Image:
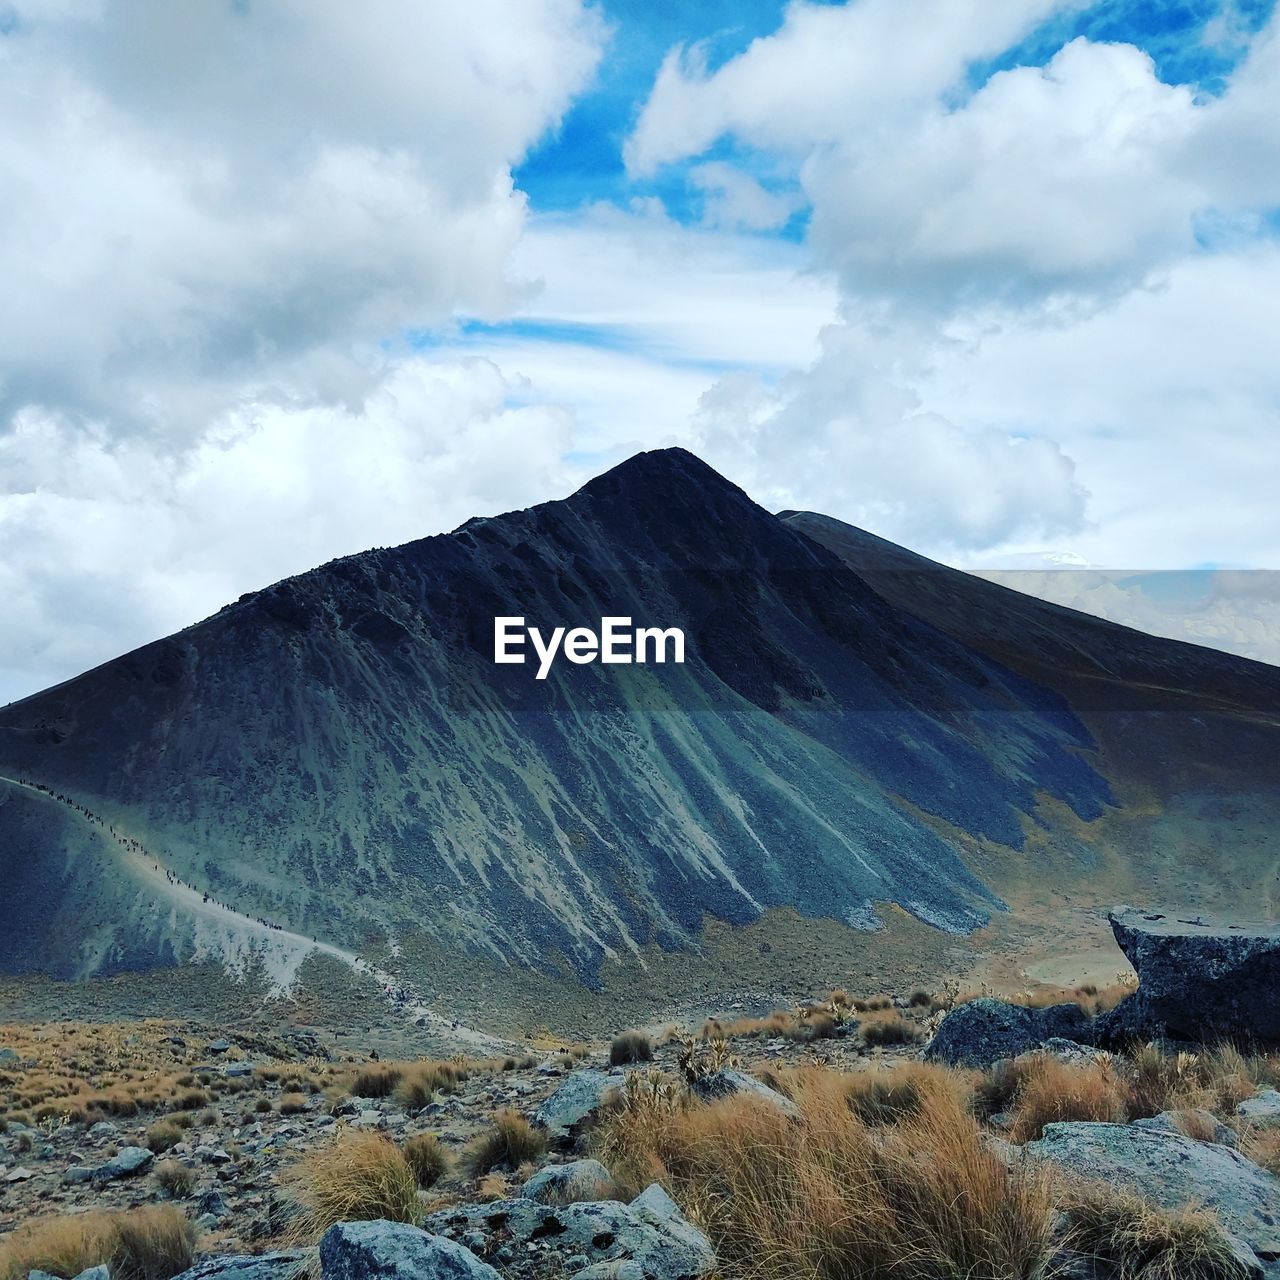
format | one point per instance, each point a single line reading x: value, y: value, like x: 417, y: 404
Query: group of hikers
x: 134, y: 846
x: 400, y: 995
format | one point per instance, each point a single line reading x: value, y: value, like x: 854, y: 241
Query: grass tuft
x: 358, y: 1177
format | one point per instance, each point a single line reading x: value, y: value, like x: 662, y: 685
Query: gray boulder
x: 651, y: 1232
x: 569, y: 1108
x: 1262, y: 1110
x: 625, y: 1270
x: 1175, y: 1122
x: 384, y: 1250
x: 564, y: 1183
x: 1170, y: 1170
x: 729, y: 1082
x: 283, y: 1264
x: 126, y: 1162
x: 1197, y: 979
x: 981, y: 1032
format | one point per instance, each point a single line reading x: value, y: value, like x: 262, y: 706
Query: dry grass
x: 356, y: 1178
x: 377, y: 1081
x: 175, y: 1179
x: 510, y: 1141
x: 419, y: 1083
x: 162, y: 1135
x: 829, y: 1197
x: 888, y: 1029
x: 427, y: 1158
x: 1051, y: 1091
x: 629, y: 1047
x: 885, y: 1097
x: 154, y: 1242
x: 1139, y: 1242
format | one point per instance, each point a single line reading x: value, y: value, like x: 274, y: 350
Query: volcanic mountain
x: 856, y: 734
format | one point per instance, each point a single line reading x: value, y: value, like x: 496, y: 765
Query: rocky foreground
x: 1089, y: 1139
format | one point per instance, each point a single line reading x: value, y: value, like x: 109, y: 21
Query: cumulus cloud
x: 199, y: 198
x: 849, y: 436
x: 106, y: 544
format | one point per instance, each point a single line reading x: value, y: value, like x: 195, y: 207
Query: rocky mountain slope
x: 852, y: 735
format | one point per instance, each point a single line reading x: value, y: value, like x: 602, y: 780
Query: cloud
x: 1237, y: 612
x: 828, y: 70
x: 849, y: 436
x: 199, y: 198
x: 106, y: 544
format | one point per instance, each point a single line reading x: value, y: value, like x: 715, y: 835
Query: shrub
x: 826, y: 1196
x: 162, y: 1135
x: 358, y: 1177
x: 376, y: 1081
x: 190, y: 1100
x: 262, y: 1106
x: 1053, y: 1090
x: 427, y: 1158
x: 153, y: 1242
x: 889, y: 1029
x: 175, y: 1179
x: 509, y: 1143
x: 629, y: 1047
x: 1139, y: 1242
x: 421, y: 1081
x: 885, y: 1097
x: 292, y: 1104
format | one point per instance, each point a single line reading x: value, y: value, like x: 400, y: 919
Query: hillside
x: 856, y: 734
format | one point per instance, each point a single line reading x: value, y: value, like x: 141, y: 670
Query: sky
x: 286, y: 279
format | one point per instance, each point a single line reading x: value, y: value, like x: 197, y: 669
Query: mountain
x: 856, y: 734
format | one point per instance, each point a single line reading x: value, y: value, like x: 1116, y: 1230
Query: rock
x: 981, y: 1032
x: 395, y: 1251
x: 626, y: 1270
x: 1170, y: 1170
x: 236, y: 1070
x: 104, y: 1129
x: 128, y: 1161
x: 576, y: 1101
x: 8, y: 1055
x: 564, y: 1183
x: 370, y: 1119
x: 100, y: 1272
x: 1197, y: 979
x: 729, y: 1082
x: 219, y: 1046
x: 1203, y: 1121
x: 1071, y: 1052
x: 283, y: 1264
x: 77, y: 1174
x: 650, y: 1232
x: 1263, y: 1109
x: 20, y: 1174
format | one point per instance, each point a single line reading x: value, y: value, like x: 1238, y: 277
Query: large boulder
x: 565, y: 1183
x: 651, y: 1232
x: 729, y: 1082
x: 980, y: 1032
x: 382, y: 1250
x: 1171, y: 1171
x: 1197, y: 979
x: 575, y: 1102
x: 1262, y: 1110
x: 283, y: 1264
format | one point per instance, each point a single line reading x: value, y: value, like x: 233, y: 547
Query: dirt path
x: 196, y: 903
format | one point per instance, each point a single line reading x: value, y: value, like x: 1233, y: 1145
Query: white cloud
x: 105, y: 544
x: 828, y: 70
x: 199, y: 198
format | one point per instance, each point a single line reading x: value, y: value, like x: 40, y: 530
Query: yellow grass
x: 154, y: 1242
x: 829, y: 1196
x: 356, y: 1178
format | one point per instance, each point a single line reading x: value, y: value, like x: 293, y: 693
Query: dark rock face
x: 1197, y: 980
x: 983, y: 1031
x: 340, y: 752
x: 1172, y: 1171
x: 395, y: 1251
